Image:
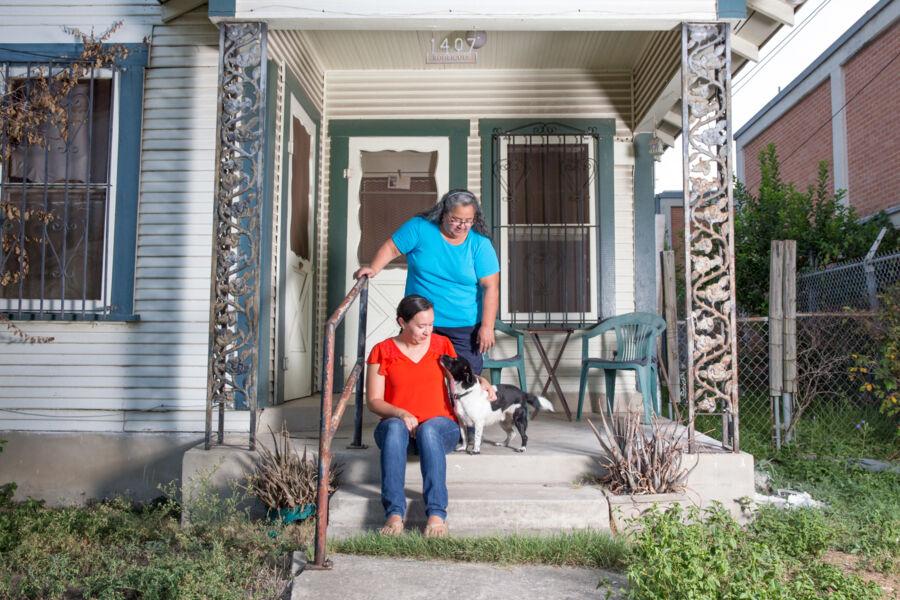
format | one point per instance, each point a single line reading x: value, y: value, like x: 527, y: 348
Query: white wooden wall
x: 151, y: 375
x: 42, y: 21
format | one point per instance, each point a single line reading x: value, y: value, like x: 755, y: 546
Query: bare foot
x: 393, y: 526
x: 436, y: 527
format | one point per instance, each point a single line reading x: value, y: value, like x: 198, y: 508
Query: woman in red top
x: 407, y: 391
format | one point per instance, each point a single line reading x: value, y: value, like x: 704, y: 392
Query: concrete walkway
x: 377, y: 578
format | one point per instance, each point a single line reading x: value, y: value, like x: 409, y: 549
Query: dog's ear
x: 468, y: 374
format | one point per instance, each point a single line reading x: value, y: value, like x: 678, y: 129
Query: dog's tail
x: 539, y: 403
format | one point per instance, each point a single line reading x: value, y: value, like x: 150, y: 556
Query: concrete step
x: 492, y: 465
x: 478, y: 509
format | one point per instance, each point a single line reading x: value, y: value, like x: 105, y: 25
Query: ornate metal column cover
x: 235, y: 286
x: 709, y: 217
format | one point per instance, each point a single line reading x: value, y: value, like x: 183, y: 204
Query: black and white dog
x: 474, y: 408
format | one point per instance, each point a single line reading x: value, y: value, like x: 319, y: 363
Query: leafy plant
x: 878, y: 373
x: 286, y: 479
x: 826, y: 230
x: 637, y: 463
x: 707, y: 555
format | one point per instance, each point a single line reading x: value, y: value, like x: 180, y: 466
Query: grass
x: 578, y: 549
x: 116, y: 550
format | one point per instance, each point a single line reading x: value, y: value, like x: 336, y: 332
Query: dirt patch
x: 849, y: 563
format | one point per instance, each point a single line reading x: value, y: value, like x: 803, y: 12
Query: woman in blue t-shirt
x: 452, y: 262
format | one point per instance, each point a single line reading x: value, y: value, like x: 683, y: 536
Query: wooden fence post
x: 789, y: 300
x: 776, y: 337
x: 670, y: 314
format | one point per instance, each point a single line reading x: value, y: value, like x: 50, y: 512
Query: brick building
x: 841, y: 109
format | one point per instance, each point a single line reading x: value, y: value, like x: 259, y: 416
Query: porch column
x: 709, y: 215
x: 234, y: 322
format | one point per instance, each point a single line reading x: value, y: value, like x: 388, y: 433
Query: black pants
x: 465, y: 342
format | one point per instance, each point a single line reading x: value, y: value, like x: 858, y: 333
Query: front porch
x: 546, y: 490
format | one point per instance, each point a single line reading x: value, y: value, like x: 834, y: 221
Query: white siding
x: 499, y: 94
x: 42, y: 21
x: 151, y: 375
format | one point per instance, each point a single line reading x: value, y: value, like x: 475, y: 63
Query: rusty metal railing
x: 331, y: 420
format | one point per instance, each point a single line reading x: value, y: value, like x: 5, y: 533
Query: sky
x: 752, y: 90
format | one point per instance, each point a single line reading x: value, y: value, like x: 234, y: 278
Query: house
x: 840, y: 109
x: 205, y: 283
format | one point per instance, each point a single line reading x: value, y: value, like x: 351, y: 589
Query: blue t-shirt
x: 446, y: 274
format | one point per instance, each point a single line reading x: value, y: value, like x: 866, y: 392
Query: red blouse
x: 417, y: 387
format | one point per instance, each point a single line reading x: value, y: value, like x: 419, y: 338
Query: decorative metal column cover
x: 709, y: 217
x: 235, y: 287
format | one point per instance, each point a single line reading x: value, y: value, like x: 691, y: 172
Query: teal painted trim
x: 337, y: 243
x: 606, y: 270
x: 731, y: 9
x: 128, y: 168
x: 340, y: 131
x: 267, y: 219
x: 222, y: 8
x: 644, y: 227
x: 45, y: 316
x: 138, y: 54
x: 604, y: 191
x: 397, y: 127
x: 292, y: 87
x: 130, y: 75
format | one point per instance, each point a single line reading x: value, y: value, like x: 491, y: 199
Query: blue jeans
x: 435, y: 438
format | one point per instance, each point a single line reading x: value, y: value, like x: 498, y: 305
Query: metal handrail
x: 331, y: 420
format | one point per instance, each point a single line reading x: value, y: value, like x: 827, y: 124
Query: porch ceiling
x: 592, y: 50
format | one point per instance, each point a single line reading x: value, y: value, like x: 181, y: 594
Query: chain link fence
x: 837, y: 319
x: 853, y: 285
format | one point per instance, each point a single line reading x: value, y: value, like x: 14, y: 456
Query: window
x: 79, y: 238
x: 548, y: 229
x: 396, y: 186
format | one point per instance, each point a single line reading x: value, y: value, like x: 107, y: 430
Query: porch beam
x: 778, y: 10
x: 234, y: 320
x: 563, y: 15
x: 673, y: 117
x: 709, y: 215
x: 745, y: 48
x: 173, y: 9
x: 668, y: 140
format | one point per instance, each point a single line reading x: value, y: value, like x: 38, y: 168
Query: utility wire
x: 849, y: 100
x: 757, y: 68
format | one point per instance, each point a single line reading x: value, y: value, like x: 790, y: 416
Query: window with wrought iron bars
x: 548, y: 228
x: 65, y: 183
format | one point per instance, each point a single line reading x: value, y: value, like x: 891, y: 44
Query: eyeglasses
x: 463, y: 222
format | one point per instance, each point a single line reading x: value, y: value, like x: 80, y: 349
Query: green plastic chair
x: 496, y: 365
x: 636, y: 335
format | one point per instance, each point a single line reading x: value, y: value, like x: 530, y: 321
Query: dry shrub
x: 286, y: 479
x: 641, y: 462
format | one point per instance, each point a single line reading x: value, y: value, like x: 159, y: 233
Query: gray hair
x: 452, y: 199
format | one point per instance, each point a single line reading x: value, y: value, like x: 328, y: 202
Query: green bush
x: 697, y: 555
x: 826, y: 230
x: 797, y: 533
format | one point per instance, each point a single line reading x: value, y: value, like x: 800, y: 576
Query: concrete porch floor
x: 498, y: 491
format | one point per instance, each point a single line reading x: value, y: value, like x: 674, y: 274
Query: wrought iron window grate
x: 546, y: 225
x: 55, y: 190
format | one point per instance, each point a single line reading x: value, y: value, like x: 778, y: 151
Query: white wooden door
x: 298, y: 238
x: 386, y: 289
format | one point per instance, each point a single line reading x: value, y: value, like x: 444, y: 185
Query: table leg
x: 551, y: 370
x: 556, y: 363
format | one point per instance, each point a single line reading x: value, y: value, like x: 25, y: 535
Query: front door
x: 298, y: 250
x: 390, y: 180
